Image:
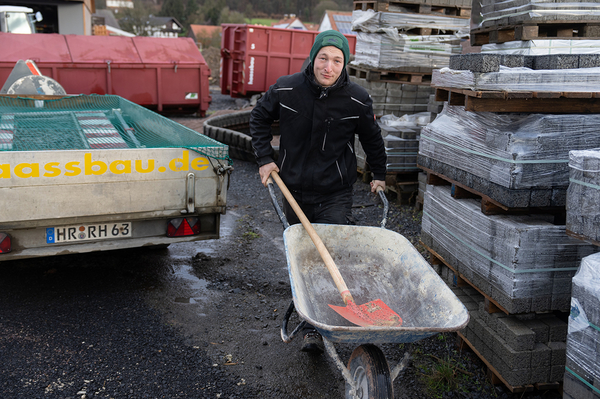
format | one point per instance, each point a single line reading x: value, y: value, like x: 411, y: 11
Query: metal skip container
x: 162, y: 74
x: 253, y: 57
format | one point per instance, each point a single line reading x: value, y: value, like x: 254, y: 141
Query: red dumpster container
x: 253, y: 57
x: 163, y: 74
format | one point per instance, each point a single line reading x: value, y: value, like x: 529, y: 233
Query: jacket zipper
x: 283, y: 160
x: 339, y: 171
x: 328, y: 120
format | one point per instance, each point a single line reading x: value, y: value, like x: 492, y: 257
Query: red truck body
x: 163, y: 74
x: 253, y: 57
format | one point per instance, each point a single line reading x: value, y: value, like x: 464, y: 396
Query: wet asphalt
x: 82, y: 327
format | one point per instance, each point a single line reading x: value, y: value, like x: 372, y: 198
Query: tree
x: 249, y: 11
x: 211, y: 9
x: 134, y: 19
x: 193, y: 13
x: 324, y: 5
x: 175, y: 9
x: 231, y: 17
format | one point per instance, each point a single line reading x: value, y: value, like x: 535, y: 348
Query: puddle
x: 182, y: 288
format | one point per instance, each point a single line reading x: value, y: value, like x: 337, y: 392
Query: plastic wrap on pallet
x: 582, y: 371
x: 583, y: 194
x: 415, y: 121
x: 543, y: 47
x: 540, y: 11
x: 522, y: 258
x: 516, y: 151
x: 520, y: 79
x: 391, y: 51
x: 371, y: 22
x: 401, y: 139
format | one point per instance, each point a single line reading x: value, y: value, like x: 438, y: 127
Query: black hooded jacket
x: 317, y: 127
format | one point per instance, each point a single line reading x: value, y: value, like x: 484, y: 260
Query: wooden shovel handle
x: 333, y: 270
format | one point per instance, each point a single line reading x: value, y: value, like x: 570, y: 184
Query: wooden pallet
x: 412, y: 7
x: 517, y: 101
x: 567, y: 30
x: 397, y: 76
x: 583, y: 238
x: 490, y: 206
x: 491, y: 305
x: 496, y: 378
x: 404, y: 185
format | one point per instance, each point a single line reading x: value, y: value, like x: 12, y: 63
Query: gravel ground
x: 196, y: 320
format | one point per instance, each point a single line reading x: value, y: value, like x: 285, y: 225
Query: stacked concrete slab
x: 582, y: 371
x: 583, y: 195
x: 390, y: 52
x: 519, y: 12
x: 383, y: 44
x: 395, y: 98
x: 519, y: 160
x: 544, y: 47
x: 525, y: 263
x: 524, y: 350
x: 401, y: 140
x: 398, y: 42
x: 510, y: 72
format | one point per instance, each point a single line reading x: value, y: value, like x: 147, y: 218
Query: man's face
x: 329, y: 63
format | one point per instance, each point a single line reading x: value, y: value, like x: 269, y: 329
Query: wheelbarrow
x: 375, y: 263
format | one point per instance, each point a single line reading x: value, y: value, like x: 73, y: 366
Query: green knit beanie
x: 330, y: 38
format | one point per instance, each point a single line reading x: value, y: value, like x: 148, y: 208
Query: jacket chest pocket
x: 338, y: 132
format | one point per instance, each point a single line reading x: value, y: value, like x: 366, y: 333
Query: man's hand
x: 377, y: 183
x: 265, y: 172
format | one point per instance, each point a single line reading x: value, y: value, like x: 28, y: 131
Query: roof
x: 289, y: 23
x: 159, y: 21
x: 340, y: 21
x: 204, y: 30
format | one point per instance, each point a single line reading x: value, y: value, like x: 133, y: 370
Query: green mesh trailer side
x: 94, y: 122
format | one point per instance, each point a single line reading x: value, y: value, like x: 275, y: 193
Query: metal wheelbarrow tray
x: 375, y: 263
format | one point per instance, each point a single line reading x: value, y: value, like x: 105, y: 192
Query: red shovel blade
x: 374, y: 313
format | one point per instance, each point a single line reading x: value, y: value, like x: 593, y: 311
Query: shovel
x: 373, y: 313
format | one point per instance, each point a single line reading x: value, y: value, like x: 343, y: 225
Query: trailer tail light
x: 5, y: 243
x: 181, y: 227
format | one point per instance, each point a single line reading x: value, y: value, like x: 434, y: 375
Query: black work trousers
x: 335, y: 208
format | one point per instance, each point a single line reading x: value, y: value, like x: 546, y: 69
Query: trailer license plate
x: 87, y: 232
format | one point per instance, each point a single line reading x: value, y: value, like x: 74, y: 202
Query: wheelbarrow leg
x: 340, y: 365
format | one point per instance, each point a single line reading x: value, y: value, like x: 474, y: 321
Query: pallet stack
x: 495, y: 205
x: 401, y: 140
x: 398, y: 46
x: 518, y: 20
x: 582, y: 371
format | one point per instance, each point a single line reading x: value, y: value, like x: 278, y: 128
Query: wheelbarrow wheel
x: 371, y: 373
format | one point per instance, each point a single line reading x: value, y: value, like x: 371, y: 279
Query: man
x: 319, y: 112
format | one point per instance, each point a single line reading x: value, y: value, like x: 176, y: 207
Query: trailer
x: 97, y: 172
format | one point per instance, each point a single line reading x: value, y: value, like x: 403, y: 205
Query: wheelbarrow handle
x: 386, y: 205
x: 278, y: 209
x: 285, y: 337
